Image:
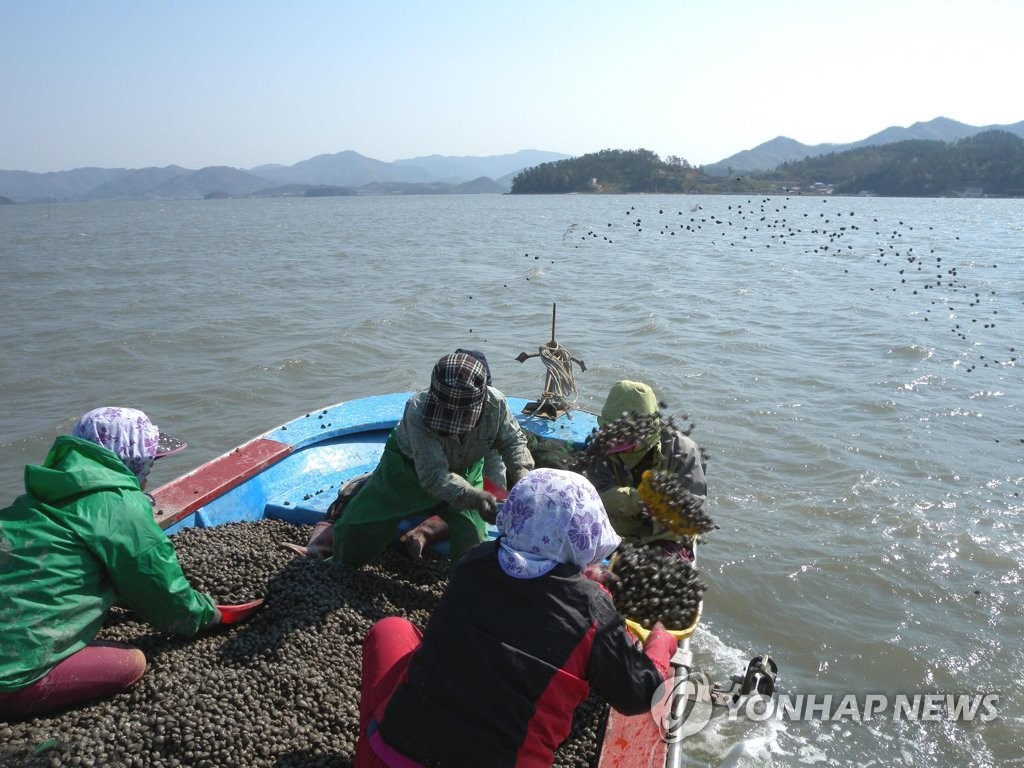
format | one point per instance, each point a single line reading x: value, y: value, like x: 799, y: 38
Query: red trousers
x: 387, y: 649
x: 98, y: 671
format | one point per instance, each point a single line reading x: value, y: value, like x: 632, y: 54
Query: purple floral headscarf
x: 126, y: 432
x: 553, y: 516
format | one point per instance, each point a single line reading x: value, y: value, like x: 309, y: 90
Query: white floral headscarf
x: 126, y: 432
x: 553, y: 516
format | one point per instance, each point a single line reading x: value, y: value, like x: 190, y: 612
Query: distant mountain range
x: 349, y: 172
x: 772, y: 154
x: 343, y: 173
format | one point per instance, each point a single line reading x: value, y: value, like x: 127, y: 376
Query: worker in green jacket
x: 662, y: 447
x: 81, y: 539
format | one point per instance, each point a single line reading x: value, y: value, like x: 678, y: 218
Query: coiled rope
x: 560, y: 383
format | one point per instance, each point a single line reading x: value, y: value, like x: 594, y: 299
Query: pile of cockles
x: 654, y: 584
x: 278, y: 691
x: 623, y: 434
x: 666, y: 499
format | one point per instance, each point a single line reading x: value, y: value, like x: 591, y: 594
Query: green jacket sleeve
x: 144, y: 567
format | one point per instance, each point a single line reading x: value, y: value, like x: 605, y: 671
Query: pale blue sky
x: 137, y: 83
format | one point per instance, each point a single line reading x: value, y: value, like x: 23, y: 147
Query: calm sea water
x: 852, y: 366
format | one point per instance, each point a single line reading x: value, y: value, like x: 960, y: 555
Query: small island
x: 988, y: 164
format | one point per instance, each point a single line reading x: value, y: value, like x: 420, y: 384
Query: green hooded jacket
x: 81, y: 539
x: 618, y: 476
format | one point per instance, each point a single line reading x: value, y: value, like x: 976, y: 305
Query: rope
x: 558, y: 364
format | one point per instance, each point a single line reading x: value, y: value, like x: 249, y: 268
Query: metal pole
x: 682, y: 661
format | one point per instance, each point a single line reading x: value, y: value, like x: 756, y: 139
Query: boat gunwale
x: 188, y: 494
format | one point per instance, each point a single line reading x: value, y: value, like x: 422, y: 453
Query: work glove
x: 233, y: 614
x: 491, y: 487
x: 515, y: 474
x: 600, y: 573
x: 483, y: 502
x: 659, y: 648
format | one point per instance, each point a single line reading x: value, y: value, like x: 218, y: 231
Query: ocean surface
x: 851, y: 365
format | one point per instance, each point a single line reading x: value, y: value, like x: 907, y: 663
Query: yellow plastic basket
x: 678, y: 634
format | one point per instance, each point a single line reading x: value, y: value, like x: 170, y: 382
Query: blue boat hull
x: 294, y: 472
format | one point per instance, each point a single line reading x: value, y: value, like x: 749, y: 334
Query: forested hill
x: 610, y: 170
x: 990, y: 163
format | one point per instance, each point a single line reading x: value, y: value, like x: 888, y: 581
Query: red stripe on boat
x: 188, y: 493
x: 633, y: 741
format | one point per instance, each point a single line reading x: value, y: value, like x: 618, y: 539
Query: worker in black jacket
x: 520, y: 637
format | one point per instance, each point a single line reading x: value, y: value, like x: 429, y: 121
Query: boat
x: 295, y: 471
